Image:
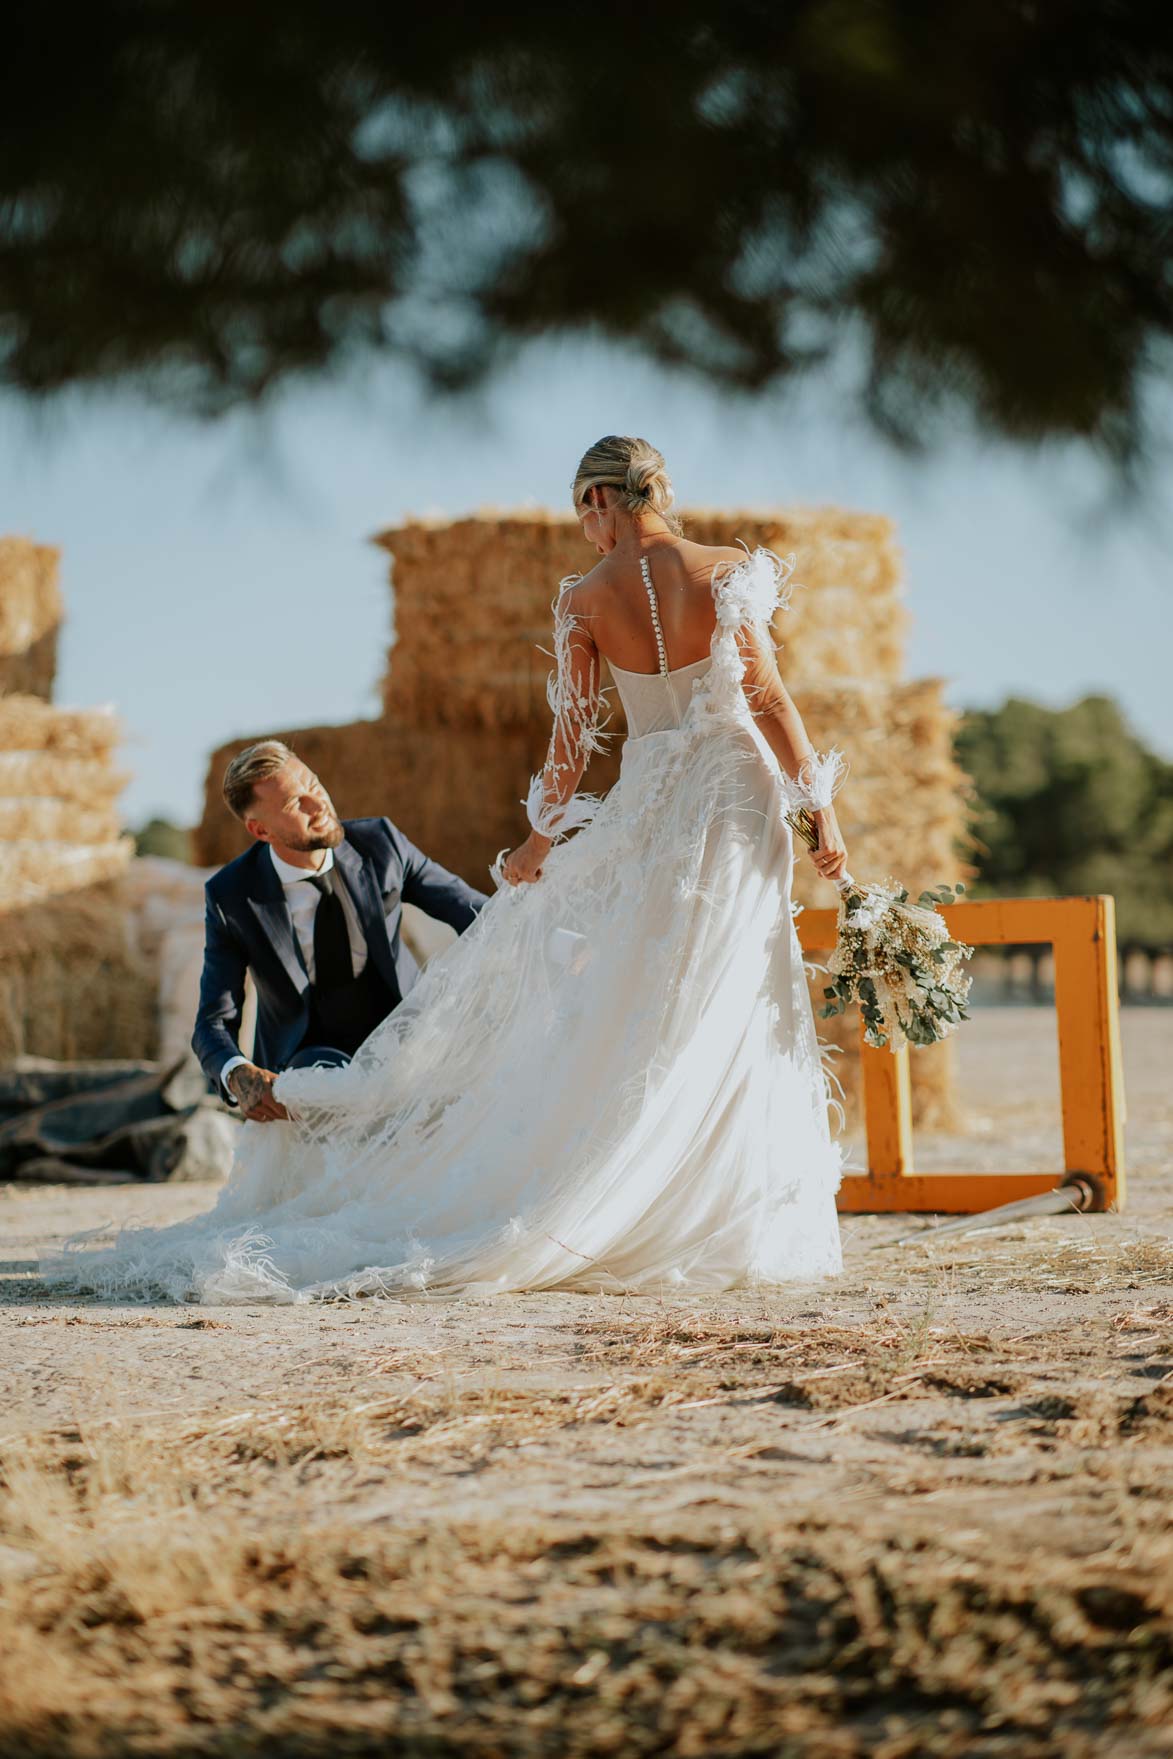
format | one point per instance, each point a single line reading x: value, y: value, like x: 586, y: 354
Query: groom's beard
x: 325, y: 839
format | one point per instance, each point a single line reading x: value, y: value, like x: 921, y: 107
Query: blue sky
x: 218, y: 579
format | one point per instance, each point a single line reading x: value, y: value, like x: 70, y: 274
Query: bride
x: 611, y: 1081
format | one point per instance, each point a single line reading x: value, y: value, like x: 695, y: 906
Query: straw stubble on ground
x: 922, y: 1509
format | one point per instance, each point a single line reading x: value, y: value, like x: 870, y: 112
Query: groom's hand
x: 252, y: 1088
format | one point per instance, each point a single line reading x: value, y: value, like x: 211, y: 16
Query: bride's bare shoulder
x: 580, y: 594
x: 713, y: 555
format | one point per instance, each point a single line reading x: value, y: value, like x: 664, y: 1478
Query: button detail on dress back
x: 646, y: 571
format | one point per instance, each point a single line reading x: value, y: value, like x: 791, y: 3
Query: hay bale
x: 472, y: 610
x: 472, y: 606
x: 72, y: 983
x: 59, y: 821
x: 57, y: 786
x: 49, y: 775
x: 29, y: 724
x: 31, y: 872
x: 847, y: 619
x: 30, y: 616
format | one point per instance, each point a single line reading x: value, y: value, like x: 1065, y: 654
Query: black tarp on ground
x: 104, y: 1120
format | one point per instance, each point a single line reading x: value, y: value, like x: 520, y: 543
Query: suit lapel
x: 272, y: 912
x: 359, y: 878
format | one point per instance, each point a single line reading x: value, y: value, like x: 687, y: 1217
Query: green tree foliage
x: 211, y: 198
x: 1070, y: 801
x: 160, y: 837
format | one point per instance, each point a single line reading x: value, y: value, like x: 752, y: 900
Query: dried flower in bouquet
x: 894, y: 959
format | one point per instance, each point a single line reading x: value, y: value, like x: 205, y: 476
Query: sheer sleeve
x: 747, y: 595
x: 575, y: 698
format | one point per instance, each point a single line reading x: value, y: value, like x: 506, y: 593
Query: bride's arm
x: 775, y: 712
x: 574, y: 698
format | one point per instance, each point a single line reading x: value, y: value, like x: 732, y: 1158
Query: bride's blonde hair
x: 632, y: 467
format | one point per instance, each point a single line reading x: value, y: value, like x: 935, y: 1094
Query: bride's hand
x: 831, y: 855
x: 524, y: 866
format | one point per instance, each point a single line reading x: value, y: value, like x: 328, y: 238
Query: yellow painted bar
x: 939, y: 1193
x: 1090, y: 1079
x: 984, y: 922
x: 818, y: 929
x: 1082, y: 932
x: 993, y: 922
x: 887, y: 1110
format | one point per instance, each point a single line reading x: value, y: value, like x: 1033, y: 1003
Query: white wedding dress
x: 611, y: 1081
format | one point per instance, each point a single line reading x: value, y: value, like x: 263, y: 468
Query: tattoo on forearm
x: 249, y: 1086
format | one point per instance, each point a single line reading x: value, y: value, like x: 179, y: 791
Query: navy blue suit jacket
x: 248, y: 928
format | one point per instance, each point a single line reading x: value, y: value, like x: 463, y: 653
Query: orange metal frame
x: 1082, y: 932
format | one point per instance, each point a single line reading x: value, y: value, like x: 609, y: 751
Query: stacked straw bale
x: 30, y: 617
x: 472, y: 607
x: 466, y: 718
x: 73, y: 982
x: 58, y: 789
x: 472, y: 617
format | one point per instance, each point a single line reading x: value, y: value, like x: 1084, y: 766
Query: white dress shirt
x: 302, y: 900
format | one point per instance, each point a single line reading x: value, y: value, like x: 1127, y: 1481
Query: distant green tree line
x: 1071, y: 801
x: 160, y: 837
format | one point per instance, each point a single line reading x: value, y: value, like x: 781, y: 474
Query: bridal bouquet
x: 895, y: 959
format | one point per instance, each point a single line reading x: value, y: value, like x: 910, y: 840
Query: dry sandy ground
x: 921, y: 1509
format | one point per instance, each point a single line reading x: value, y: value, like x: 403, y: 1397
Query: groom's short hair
x: 256, y: 763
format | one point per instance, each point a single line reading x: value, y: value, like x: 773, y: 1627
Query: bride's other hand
x: 524, y: 866
x: 831, y: 855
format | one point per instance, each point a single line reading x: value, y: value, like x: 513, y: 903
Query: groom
x: 313, y: 910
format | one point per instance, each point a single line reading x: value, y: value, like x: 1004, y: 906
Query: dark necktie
x: 332, y: 962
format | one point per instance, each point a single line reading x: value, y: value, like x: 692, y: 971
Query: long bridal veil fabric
x: 611, y: 1081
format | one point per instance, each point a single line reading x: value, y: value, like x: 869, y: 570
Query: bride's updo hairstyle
x: 632, y: 467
